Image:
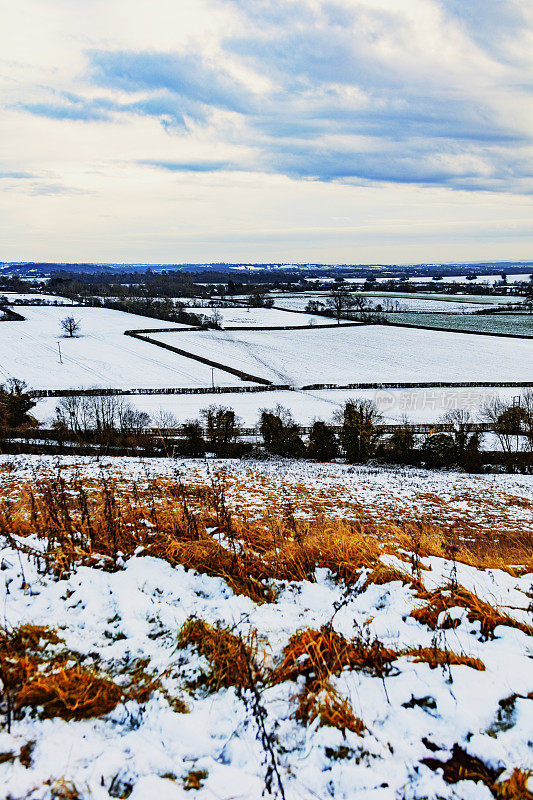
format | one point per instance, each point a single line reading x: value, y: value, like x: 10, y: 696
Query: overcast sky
x: 372, y: 131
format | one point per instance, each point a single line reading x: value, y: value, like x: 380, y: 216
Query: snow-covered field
x: 13, y: 297
x: 490, y: 280
x: 100, y: 356
x: 127, y: 622
x: 417, y: 405
x: 441, y: 303
x: 362, y: 354
x: 259, y: 317
x: 421, y: 305
x: 299, y: 302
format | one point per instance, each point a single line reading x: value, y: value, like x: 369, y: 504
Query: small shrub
x: 439, y: 451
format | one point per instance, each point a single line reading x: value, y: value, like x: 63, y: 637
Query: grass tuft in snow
x: 231, y: 657
x: 440, y: 601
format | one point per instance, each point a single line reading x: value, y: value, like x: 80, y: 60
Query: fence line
x: 304, y: 430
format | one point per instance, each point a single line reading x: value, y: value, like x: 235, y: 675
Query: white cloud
x: 309, y: 113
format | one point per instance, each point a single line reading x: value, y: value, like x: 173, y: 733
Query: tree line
x: 355, y: 435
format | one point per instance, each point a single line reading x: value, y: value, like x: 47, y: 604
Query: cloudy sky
x: 266, y: 130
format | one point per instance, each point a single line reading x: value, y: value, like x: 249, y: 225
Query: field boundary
x: 177, y: 390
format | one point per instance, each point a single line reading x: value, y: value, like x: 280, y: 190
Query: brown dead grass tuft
x: 64, y: 790
x: 445, y: 598
x: 319, y: 654
x: 195, y: 779
x: 515, y: 787
x: 383, y: 573
x: 323, y: 702
x: 232, y: 659
x: 461, y: 766
x: 442, y: 658
x: 74, y: 693
x: 33, y: 676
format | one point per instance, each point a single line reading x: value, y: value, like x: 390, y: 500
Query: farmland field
x: 516, y: 324
x: 417, y: 405
x: 260, y: 317
x: 372, y: 353
x: 100, y: 356
x: 26, y: 297
x: 438, y: 302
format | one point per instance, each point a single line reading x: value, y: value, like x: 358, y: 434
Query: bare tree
x: 339, y: 300
x: 509, y: 422
x: 70, y: 326
x: 164, y: 420
x: 361, y: 302
x: 101, y: 413
x: 216, y: 318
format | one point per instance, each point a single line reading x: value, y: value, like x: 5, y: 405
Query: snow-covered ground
x: 100, y: 356
x: 148, y: 749
x: 260, y: 317
x: 418, y: 405
x: 490, y: 280
x: 490, y: 502
x: 13, y: 297
x: 299, y: 302
x: 416, y: 304
x: 362, y: 354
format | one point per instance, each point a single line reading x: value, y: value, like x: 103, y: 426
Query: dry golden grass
x: 322, y: 702
x: 445, y: 598
x: 442, y: 658
x: 90, y: 520
x: 64, y: 790
x: 232, y: 659
x: 515, y: 787
x: 382, y: 574
x: 195, y: 779
x: 32, y: 676
x: 318, y: 654
x: 73, y: 693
